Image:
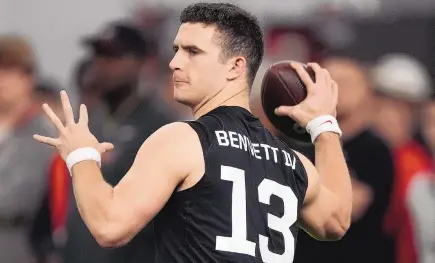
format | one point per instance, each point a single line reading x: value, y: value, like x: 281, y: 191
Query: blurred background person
x: 284, y: 42
x: 403, y: 85
x: 427, y: 130
x: 119, y: 55
x: 41, y: 236
x: 371, y: 167
x: 299, y: 43
x: 427, y: 126
x: 47, y: 91
x: 23, y: 163
x: 56, y: 206
x: 90, y: 94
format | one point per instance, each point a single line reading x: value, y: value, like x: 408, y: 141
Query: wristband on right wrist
x: 321, y: 124
x: 82, y: 154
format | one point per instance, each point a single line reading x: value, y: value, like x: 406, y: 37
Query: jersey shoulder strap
x: 205, y: 127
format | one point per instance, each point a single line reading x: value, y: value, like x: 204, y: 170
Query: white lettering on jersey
x: 258, y: 150
x: 222, y: 138
x: 238, y: 241
x: 275, y: 155
x: 288, y: 160
x: 266, y: 150
x: 244, y: 141
x: 233, y: 139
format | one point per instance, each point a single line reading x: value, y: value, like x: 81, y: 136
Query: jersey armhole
x: 301, y: 180
x: 205, y: 138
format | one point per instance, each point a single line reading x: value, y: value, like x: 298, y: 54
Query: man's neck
x: 236, y: 97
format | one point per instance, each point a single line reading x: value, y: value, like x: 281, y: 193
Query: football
x: 281, y: 86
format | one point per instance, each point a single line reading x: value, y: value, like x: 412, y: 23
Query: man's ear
x: 236, y: 67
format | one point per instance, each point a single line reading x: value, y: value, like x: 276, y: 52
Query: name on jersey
x: 258, y: 150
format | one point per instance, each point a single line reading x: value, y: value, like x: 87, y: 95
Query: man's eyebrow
x: 192, y: 47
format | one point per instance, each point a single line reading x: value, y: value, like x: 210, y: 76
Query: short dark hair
x: 240, y: 32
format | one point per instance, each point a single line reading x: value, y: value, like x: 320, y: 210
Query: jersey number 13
x: 238, y: 242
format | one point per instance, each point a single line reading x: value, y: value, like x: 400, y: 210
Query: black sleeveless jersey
x: 245, y: 207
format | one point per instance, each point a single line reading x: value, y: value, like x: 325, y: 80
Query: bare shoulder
x: 174, y: 130
x: 175, y: 136
x: 174, y: 146
x: 308, y: 165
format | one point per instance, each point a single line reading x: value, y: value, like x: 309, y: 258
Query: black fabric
x: 237, y: 150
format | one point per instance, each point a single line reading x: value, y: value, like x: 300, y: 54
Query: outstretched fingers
x: 84, y: 118
x: 46, y: 140
x: 57, y: 123
x: 67, y: 108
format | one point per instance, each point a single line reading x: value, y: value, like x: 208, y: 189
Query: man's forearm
x: 332, y: 167
x: 93, y: 195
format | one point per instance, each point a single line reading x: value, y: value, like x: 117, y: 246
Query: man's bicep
x: 313, y: 179
x: 314, y: 217
x: 162, y: 163
x: 317, y: 203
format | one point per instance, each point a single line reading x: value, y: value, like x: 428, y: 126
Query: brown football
x: 282, y: 86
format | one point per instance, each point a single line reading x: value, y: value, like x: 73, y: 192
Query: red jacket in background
x: 412, y: 163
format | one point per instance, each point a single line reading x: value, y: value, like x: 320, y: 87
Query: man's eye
x: 191, y: 51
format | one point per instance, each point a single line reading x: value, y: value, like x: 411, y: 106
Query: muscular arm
x: 115, y: 215
x: 328, y: 201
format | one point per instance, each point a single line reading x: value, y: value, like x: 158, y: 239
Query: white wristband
x: 82, y: 154
x: 321, y: 124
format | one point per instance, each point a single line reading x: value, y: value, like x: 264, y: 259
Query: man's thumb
x: 105, y: 147
x: 284, y: 111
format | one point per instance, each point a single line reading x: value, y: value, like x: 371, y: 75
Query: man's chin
x: 183, y: 101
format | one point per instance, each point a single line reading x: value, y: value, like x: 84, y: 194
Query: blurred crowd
x: 386, y: 111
